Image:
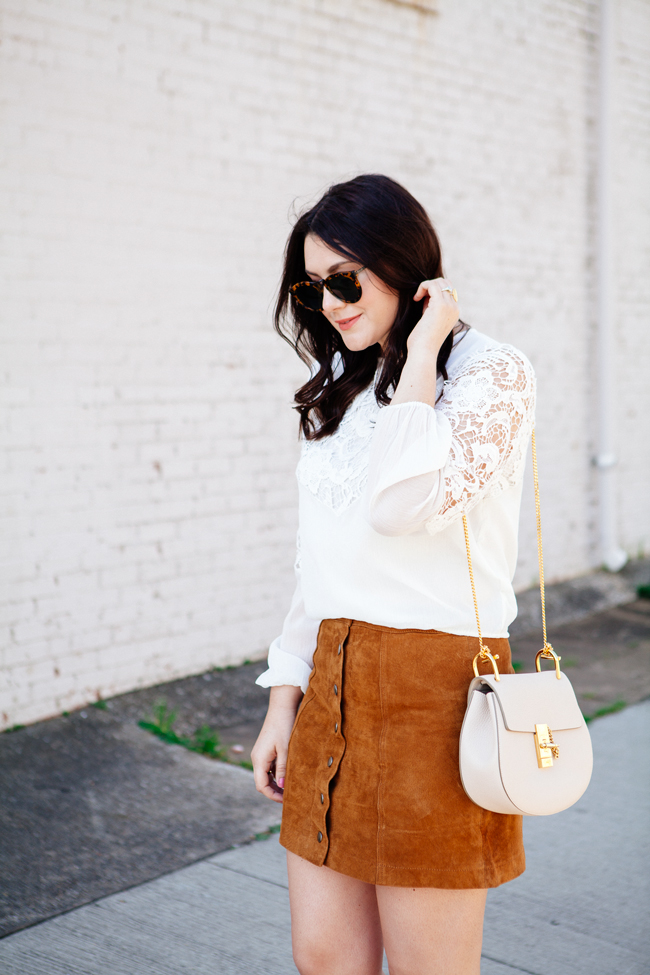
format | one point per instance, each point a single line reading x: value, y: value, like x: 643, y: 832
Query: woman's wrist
x: 285, y: 697
x: 418, y: 380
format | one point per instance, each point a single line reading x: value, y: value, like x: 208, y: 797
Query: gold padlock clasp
x: 545, y: 747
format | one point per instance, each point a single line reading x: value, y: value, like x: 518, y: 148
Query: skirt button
x: 336, y: 727
x: 339, y: 648
x: 329, y: 761
x: 336, y: 688
x: 322, y: 798
x: 320, y: 837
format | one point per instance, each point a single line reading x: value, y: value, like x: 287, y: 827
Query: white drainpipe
x: 612, y: 555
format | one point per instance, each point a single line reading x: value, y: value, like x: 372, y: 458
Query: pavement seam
x: 96, y: 901
x: 515, y: 968
x: 251, y: 876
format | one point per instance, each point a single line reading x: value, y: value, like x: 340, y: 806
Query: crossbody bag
x: 524, y: 745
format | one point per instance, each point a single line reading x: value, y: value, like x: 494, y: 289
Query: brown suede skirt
x: 373, y: 786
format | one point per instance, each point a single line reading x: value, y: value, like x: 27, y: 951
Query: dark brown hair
x: 375, y: 221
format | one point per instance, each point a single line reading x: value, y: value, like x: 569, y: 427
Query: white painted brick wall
x: 151, y: 154
x: 632, y: 270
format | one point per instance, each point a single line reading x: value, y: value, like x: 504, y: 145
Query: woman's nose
x: 330, y: 301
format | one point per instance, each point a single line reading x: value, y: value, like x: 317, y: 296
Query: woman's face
x: 368, y: 320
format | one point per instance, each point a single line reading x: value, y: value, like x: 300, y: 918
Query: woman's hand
x: 439, y: 315
x: 269, y: 753
x: 418, y: 380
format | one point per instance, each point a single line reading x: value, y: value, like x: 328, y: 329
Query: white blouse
x: 381, y: 502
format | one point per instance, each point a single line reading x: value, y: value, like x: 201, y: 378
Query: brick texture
x: 152, y: 152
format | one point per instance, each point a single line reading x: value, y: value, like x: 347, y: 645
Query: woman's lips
x: 346, y: 323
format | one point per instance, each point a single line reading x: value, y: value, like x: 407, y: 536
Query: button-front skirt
x: 373, y: 786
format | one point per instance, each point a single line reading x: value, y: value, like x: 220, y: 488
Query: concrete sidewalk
x: 581, y: 908
x: 91, y: 804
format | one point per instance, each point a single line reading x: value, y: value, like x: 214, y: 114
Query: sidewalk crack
x: 515, y: 968
x: 252, y: 876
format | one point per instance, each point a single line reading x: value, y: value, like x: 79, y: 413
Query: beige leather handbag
x: 524, y: 745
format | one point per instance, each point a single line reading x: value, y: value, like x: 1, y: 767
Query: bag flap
x: 529, y: 699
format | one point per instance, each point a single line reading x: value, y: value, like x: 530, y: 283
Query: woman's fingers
x: 421, y: 292
x: 266, y: 773
x: 263, y: 761
x: 281, y: 768
x: 439, y: 315
x: 269, y: 755
x: 272, y: 790
x: 266, y: 784
x: 433, y: 289
x: 425, y: 289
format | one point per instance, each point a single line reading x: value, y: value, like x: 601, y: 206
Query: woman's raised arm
x: 428, y: 466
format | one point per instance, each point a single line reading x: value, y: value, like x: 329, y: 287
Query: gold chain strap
x: 540, y: 557
x: 484, y: 651
x: 471, y: 579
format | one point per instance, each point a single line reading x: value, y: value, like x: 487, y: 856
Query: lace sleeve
x: 490, y: 407
x: 429, y: 466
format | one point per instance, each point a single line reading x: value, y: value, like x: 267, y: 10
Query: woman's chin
x: 357, y: 343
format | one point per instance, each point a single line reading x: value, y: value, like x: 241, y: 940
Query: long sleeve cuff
x: 284, y: 668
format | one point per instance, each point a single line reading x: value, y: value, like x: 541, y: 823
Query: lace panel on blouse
x: 335, y: 469
x: 490, y: 406
x: 489, y: 402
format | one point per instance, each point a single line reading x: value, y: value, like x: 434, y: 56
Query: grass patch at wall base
x: 609, y: 709
x: 204, y: 741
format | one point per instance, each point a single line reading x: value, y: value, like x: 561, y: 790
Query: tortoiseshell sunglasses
x: 344, y: 285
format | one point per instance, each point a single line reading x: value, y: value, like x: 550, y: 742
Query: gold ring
x: 452, y: 292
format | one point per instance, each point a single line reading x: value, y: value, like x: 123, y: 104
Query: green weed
x: 221, y: 670
x: 205, y: 740
x: 164, y: 719
x: 609, y: 709
x: 517, y: 666
x: 268, y: 833
x: 643, y: 592
x: 169, y: 736
x: 100, y: 705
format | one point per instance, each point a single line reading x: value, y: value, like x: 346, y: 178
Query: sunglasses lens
x: 344, y: 286
x: 309, y: 295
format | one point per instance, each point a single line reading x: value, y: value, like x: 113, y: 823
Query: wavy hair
x: 375, y: 221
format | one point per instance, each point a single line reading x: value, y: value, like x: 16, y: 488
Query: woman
x: 409, y: 420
